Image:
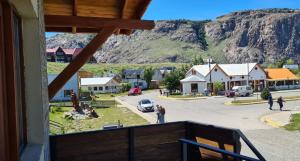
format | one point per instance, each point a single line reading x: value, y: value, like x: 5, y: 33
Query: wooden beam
x: 70, y: 29
x: 123, y: 5
x: 74, y: 14
x: 94, y: 22
x: 79, y: 61
x: 142, y: 9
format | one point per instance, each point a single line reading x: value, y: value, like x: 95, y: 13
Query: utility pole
x: 247, y: 73
x: 210, y: 81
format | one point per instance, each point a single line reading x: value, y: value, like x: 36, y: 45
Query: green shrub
x: 265, y: 94
x: 125, y: 86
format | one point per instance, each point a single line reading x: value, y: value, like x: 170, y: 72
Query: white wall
x: 111, y: 84
x: 258, y: 74
x: 72, y: 84
x: 186, y: 87
x: 218, y: 75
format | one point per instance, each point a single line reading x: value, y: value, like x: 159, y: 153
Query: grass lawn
x: 100, y: 69
x: 294, y: 123
x: 107, y: 116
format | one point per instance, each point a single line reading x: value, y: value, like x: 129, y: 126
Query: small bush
x: 125, y: 86
x: 265, y: 94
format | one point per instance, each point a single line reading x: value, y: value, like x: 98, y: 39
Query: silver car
x: 145, y: 105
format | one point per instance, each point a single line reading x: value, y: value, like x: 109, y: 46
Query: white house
x: 160, y: 73
x: 100, y: 85
x: 64, y: 94
x: 199, y: 77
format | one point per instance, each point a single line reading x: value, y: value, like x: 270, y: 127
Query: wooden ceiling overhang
x: 104, y: 17
x: 90, y: 16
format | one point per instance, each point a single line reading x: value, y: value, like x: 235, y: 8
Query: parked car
x: 243, y: 90
x: 145, y: 105
x: 230, y: 93
x: 135, y: 91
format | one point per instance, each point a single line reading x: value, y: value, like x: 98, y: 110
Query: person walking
x: 160, y: 91
x: 158, y: 114
x: 270, y: 101
x: 280, y: 102
x: 162, y: 115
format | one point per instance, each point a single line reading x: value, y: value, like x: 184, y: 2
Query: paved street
x: 274, y: 144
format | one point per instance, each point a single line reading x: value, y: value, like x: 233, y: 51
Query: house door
x: 194, y: 87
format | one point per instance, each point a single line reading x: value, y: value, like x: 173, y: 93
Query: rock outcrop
x: 258, y: 35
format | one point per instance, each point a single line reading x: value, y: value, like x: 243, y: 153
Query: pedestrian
x: 160, y: 91
x: 158, y: 113
x: 270, y: 101
x: 162, y: 115
x: 280, y: 102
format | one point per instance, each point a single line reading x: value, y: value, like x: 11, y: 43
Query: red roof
x: 68, y: 51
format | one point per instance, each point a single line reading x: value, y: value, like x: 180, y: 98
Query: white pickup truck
x: 242, y: 90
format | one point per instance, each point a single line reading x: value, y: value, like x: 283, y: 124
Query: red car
x: 135, y: 91
x: 229, y: 93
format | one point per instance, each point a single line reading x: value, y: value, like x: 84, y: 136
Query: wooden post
x: 79, y: 61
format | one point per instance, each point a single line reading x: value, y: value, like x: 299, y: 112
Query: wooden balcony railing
x: 160, y: 142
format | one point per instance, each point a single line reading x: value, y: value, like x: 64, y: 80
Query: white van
x: 242, y: 90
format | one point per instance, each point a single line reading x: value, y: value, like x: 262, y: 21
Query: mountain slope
x: 263, y: 35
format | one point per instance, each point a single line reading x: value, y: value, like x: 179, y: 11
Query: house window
x: 67, y: 93
x: 163, y: 75
x: 95, y: 88
x: 193, y: 72
x: 100, y: 88
x: 89, y: 88
x: 255, y: 68
x: 138, y: 76
x: 216, y: 69
x: 106, y: 87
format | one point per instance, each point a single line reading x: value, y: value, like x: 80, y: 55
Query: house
x: 100, y: 85
x: 64, y: 94
x: 25, y: 93
x: 135, y: 77
x: 281, y: 78
x: 64, y: 55
x: 291, y: 66
x: 161, y: 73
x: 202, y: 77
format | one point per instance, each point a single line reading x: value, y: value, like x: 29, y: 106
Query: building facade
x: 202, y: 77
x: 64, y: 94
x: 135, y: 77
x: 281, y: 78
x: 64, y: 55
x: 100, y: 85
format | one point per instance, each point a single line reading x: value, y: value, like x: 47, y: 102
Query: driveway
x: 274, y: 144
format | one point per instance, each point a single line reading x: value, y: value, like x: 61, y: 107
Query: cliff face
x: 266, y: 35
x: 263, y: 35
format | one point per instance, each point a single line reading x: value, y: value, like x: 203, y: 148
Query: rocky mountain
x: 254, y: 35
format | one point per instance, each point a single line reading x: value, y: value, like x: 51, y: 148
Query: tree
x: 172, y: 80
x: 265, y: 93
x: 290, y: 62
x: 125, y: 86
x: 218, y: 86
x: 148, y: 73
x: 198, y: 60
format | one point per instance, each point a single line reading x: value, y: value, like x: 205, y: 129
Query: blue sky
x: 207, y: 9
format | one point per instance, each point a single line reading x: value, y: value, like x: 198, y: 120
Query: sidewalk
x: 278, y: 119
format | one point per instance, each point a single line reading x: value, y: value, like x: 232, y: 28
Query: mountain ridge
x: 244, y: 36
